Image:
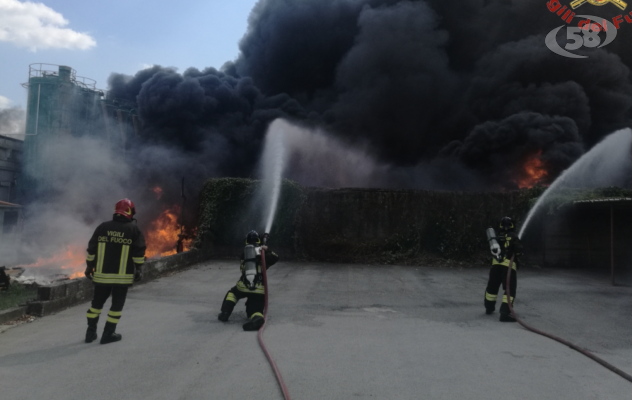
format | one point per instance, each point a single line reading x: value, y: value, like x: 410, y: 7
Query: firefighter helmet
x: 252, y: 238
x: 506, y: 224
x: 126, y: 208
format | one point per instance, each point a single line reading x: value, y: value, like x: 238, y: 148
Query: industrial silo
x: 60, y: 106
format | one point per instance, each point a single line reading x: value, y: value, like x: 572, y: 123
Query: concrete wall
x: 580, y: 237
x: 56, y: 297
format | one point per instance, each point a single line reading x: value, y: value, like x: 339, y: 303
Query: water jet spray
x: 272, y: 165
x: 604, y: 165
x: 273, y: 162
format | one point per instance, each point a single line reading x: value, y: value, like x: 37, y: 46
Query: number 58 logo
x: 582, y: 36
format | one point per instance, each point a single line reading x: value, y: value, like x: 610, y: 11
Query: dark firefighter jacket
x: 114, y: 251
x: 510, y: 245
x: 243, y: 286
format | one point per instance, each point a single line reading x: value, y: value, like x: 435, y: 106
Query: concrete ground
x: 336, y: 332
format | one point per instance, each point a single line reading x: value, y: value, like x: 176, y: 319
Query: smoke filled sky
x: 452, y: 94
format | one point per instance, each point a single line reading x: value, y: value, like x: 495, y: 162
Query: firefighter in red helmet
x: 250, y: 284
x: 116, y: 253
x: 510, y: 247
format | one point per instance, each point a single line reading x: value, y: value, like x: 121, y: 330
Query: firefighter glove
x: 89, y: 272
x: 138, y: 275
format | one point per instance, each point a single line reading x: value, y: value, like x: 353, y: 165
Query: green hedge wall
x: 371, y: 225
x: 228, y: 210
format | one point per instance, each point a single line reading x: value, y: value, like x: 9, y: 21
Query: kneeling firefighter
x: 250, y: 285
x: 116, y: 254
x: 504, y: 246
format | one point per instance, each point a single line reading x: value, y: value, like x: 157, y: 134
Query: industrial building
x: 63, y: 105
x: 591, y: 235
x: 10, y: 167
x: 10, y: 213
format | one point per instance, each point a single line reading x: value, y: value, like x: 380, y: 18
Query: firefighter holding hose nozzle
x: 250, y: 284
x: 503, y: 247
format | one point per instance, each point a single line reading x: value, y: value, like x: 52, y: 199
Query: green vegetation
x: 16, y: 295
x: 228, y: 210
x: 311, y: 223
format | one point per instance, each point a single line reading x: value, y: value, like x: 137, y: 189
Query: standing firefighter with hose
x: 504, y: 246
x: 250, y: 285
x: 116, y: 253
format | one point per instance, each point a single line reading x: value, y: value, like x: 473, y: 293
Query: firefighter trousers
x: 255, y: 302
x: 498, y: 277
x: 101, y: 294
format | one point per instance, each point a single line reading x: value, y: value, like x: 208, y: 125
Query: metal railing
x: 42, y: 70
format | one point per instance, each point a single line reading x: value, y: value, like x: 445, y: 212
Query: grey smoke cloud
x: 12, y: 122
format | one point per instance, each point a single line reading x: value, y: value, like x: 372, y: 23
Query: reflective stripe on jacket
x: 116, y: 248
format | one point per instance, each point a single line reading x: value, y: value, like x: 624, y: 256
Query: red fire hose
x: 569, y: 344
x: 286, y: 394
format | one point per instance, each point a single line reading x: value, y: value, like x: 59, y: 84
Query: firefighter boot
x: 108, y: 334
x: 91, y: 333
x: 490, y: 303
x: 507, y: 318
x: 223, y: 316
x: 505, y: 314
x: 254, y: 324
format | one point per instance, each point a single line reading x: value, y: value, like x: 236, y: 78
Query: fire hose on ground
x: 284, y: 389
x: 539, y: 332
x: 277, y: 373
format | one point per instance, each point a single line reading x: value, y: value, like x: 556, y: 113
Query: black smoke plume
x: 440, y: 91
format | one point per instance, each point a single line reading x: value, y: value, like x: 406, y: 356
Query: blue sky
x: 101, y: 37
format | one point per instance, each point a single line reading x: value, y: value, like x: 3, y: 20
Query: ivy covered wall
x: 404, y: 226
x: 229, y: 209
x: 358, y: 225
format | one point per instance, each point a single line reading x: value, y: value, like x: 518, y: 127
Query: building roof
x: 12, y: 138
x: 618, y: 201
x: 4, y: 204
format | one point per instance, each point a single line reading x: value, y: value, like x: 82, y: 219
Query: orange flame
x: 534, y: 171
x: 162, y: 236
x: 73, y: 258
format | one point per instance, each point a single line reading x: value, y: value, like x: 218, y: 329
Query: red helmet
x: 125, y: 208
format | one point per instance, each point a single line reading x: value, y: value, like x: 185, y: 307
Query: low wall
x: 59, y: 296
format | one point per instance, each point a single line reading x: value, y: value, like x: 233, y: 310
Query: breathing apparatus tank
x: 494, y: 247
x: 250, y: 262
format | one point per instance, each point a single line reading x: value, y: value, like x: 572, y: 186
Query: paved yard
x: 336, y: 331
